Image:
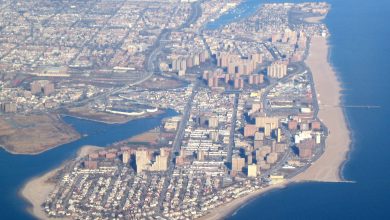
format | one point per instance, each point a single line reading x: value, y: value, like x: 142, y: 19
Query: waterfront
x: 242, y: 11
x: 25, y: 167
x: 359, y: 51
x: 310, y: 200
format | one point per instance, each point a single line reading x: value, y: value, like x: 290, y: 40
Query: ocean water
x: 17, y: 169
x: 360, y: 53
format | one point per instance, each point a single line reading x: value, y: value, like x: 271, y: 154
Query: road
x: 276, y: 55
x: 177, y: 145
x: 278, y: 165
x: 232, y: 129
x: 299, y: 68
x: 284, y: 158
x: 151, y: 64
x: 195, y: 13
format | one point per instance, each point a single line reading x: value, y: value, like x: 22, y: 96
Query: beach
x: 228, y: 209
x: 36, y: 190
x: 325, y: 169
x: 328, y: 167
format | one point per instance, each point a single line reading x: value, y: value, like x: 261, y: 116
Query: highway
x: 106, y: 94
x: 151, y: 64
x: 196, y: 12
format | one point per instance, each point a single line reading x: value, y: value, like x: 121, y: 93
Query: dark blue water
x: 17, y: 169
x: 242, y: 11
x: 360, y: 31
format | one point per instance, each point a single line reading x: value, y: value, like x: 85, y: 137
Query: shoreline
x: 159, y: 112
x: 79, y: 136
x: 35, y: 191
x: 73, y: 134
x: 322, y: 170
x: 228, y: 209
x: 39, y: 152
x: 329, y: 167
x: 346, y: 119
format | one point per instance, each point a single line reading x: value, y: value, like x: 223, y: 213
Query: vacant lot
x: 33, y: 134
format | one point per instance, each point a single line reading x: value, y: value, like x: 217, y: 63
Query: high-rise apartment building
x: 142, y: 159
x: 252, y: 170
x: 238, y: 163
x: 277, y: 70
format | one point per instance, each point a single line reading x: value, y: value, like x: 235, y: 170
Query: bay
x: 360, y: 53
x: 18, y: 169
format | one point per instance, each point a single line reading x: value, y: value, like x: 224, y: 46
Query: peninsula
x: 258, y: 101
x: 34, y: 133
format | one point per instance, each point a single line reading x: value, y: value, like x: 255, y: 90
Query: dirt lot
x: 33, y: 134
x: 150, y: 137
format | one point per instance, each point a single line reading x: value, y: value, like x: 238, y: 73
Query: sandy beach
x: 327, y: 168
x: 227, y: 209
x: 36, y: 190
